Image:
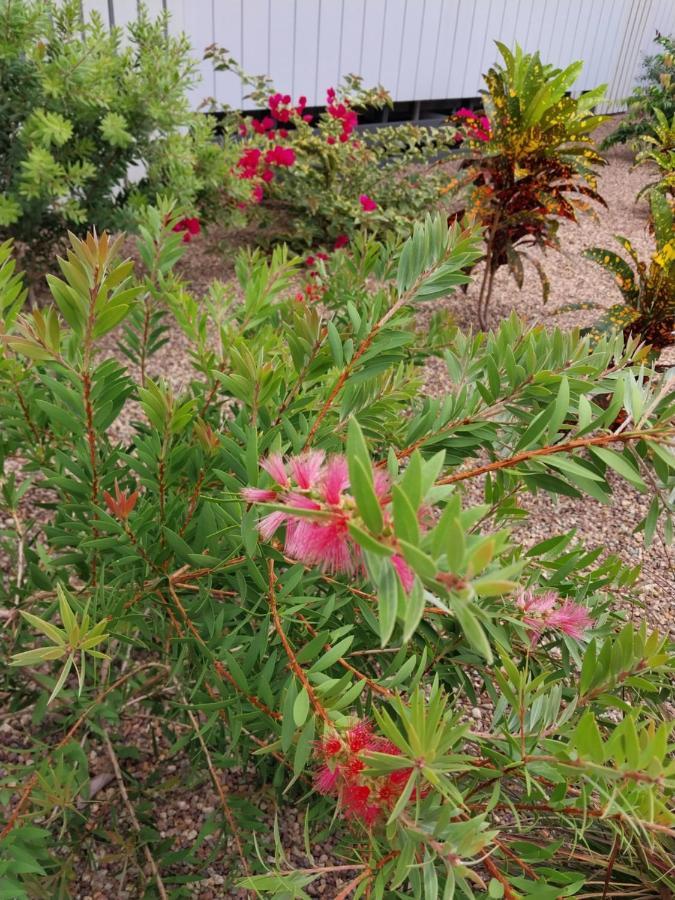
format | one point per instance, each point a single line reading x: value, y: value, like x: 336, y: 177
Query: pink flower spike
x: 258, y: 495
x: 274, y: 466
x: 405, y: 573
x: 335, y: 479
x: 571, y: 618
x: 326, y: 779
x: 271, y: 523
x: 531, y: 603
x: 306, y: 469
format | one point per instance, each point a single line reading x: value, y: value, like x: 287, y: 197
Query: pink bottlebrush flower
x: 570, y: 618
x: 381, y: 483
x: 342, y: 240
x: 325, y: 545
x: 258, y: 495
x: 271, y: 523
x: 189, y: 227
x: 404, y: 572
x: 335, y: 480
x: 306, y: 469
x: 541, y: 611
x: 367, y: 203
x: 274, y: 466
x: 326, y: 779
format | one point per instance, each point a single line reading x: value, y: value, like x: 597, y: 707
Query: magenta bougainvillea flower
x: 367, y: 203
x: 189, y: 227
x: 478, y: 125
x: 547, y: 611
x: 316, y: 509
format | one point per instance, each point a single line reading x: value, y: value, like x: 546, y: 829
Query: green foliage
x: 648, y: 289
x: 248, y: 650
x: 538, y: 165
x: 657, y: 91
x: 82, y: 109
x: 659, y: 149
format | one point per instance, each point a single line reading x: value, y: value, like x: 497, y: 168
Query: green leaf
x: 301, y: 707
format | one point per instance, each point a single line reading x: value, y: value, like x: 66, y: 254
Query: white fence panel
x: 418, y: 49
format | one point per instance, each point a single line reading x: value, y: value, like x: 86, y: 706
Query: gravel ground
x: 104, y: 871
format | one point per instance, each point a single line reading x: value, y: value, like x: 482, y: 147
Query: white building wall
x: 417, y: 49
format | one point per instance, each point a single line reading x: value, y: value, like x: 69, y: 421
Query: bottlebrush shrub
x: 657, y: 91
x: 648, y: 289
x: 80, y: 107
x: 314, y: 179
x: 281, y: 568
x: 524, y: 171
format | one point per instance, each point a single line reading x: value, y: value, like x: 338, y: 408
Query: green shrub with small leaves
x: 658, y: 149
x: 279, y: 567
x: 93, y: 122
x: 656, y: 91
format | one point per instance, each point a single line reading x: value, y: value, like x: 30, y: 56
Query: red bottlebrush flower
x: 367, y: 203
x: 122, y: 503
x: 331, y: 746
x: 360, y: 737
x: 355, y: 798
x: 340, y: 241
x: 189, y: 227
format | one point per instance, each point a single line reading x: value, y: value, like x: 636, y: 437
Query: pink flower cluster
x: 544, y: 611
x: 367, y: 203
x: 478, y: 126
x: 361, y: 798
x: 317, y: 510
x: 252, y: 159
x: 342, y: 113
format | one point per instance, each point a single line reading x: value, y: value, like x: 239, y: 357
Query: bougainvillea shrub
x: 316, y: 178
x: 529, y: 162
x: 280, y: 567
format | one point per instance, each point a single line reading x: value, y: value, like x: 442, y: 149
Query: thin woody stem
x: 293, y: 663
x: 577, y: 444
